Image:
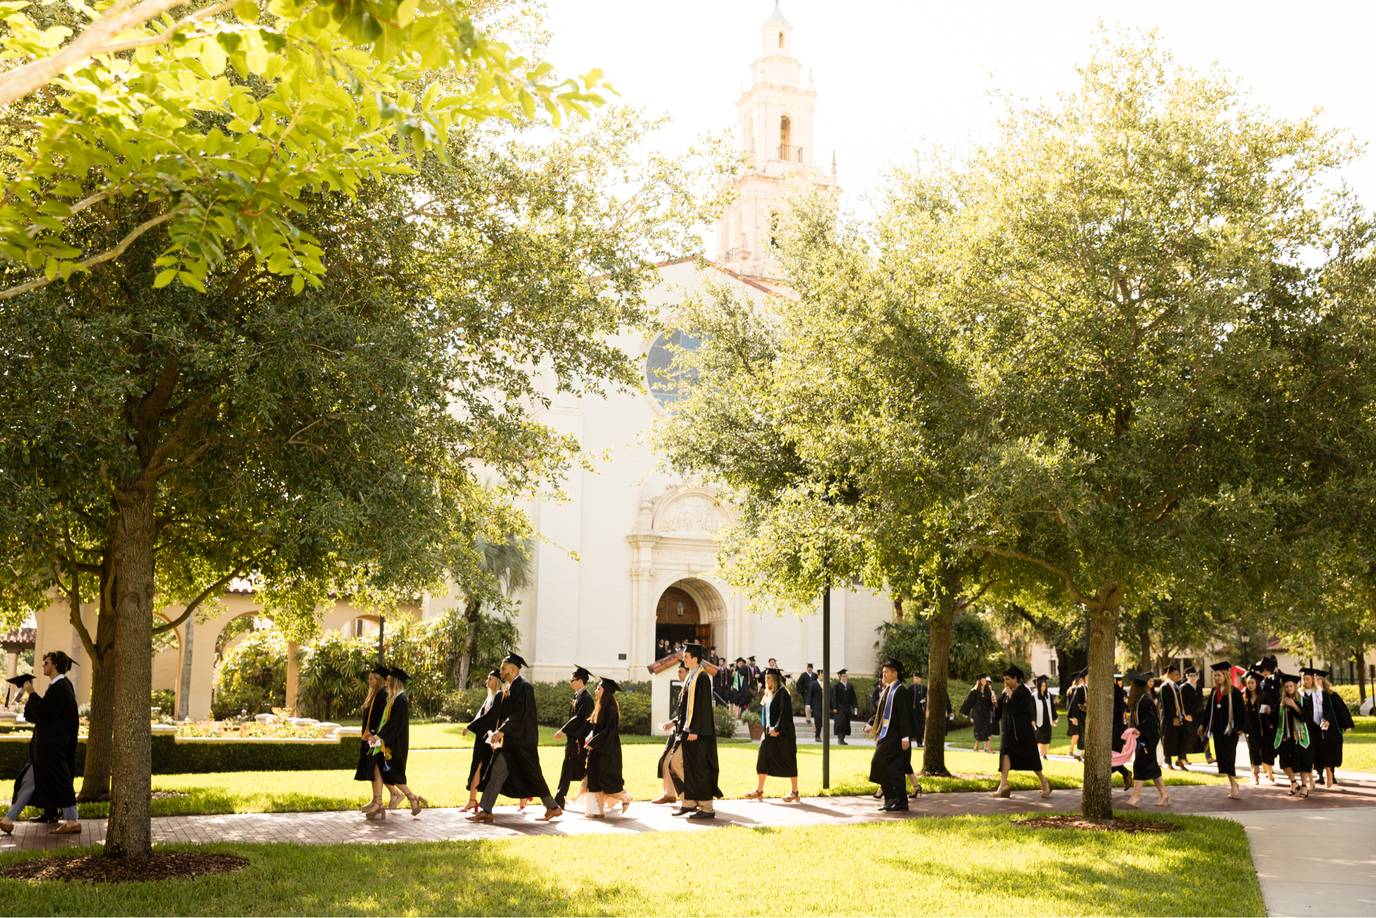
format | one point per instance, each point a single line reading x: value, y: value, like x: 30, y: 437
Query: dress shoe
x: 6, y: 826
x: 896, y: 808
x: 700, y: 814
x: 665, y: 799
x: 67, y: 828
x: 481, y: 816
x: 552, y: 814
x: 685, y: 811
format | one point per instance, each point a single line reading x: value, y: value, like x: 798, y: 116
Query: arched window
x: 781, y: 39
x: 666, y: 380
x: 785, y: 138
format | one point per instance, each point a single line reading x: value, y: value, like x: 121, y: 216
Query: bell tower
x: 774, y: 119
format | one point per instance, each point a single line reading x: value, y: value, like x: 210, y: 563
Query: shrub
x: 332, y: 676
x: 725, y: 720
x: 462, y: 705
x: 252, y: 676
x: 635, y: 711
x: 973, y: 645
x: 163, y: 701
x: 171, y: 757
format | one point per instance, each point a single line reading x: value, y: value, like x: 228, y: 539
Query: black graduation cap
x: 1043, y: 678
x: 842, y: 672
x: 581, y: 674
x: 1269, y: 662
x: 1288, y: 677
x: 1191, y: 671
x: 1142, y: 678
x: 19, y: 680
x: 1252, y: 674
x: 1172, y: 667
x: 1117, y: 677
x: 1082, y: 674
x: 1313, y: 671
x: 918, y: 675
x: 610, y: 685
x: 776, y: 673
x: 515, y: 660
x: 1221, y: 666
x: 1015, y: 671
x: 894, y: 665
x: 379, y: 670
x: 495, y: 673
x: 981, y: 676
x: 400, y: 675
x: 695, y: 650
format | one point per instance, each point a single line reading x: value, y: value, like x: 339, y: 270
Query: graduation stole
x: 1292, y: 724
x: 764, y: 710
x: 1175, y: 690
x: 1209, y: 727
x: 381, y: 748
x: 887, y: 704
x: 692, y: 695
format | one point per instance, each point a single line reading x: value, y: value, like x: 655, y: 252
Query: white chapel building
x: 630, y: 557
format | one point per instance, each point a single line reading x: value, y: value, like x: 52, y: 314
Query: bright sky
x: 897, y: 75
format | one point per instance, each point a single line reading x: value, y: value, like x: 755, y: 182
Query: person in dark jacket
x: 979, y: 707
x: 843, y: 705
x: 814, y: 698
x: 47, y: 779
x: 1143, y: 716
x: 603, y: 749
x: 1046, y: 715
x: 892, y: 730
x: 670, y: 766
x: 1294, y: 738
x: 1331, y: 719
x: 919, y: 692
x: 481, y: 726
x: 1225, y: 716
x: 392, y: 742
x: 1017, y: 715
x: 515, y: 770
x: 574, y: 732
x: 371, y: 709
x: 1260, y: 743
x: 701, y: 771
x: 1175, y: 732
x: 1075, y: 706
x: 806, y: 680
x: 778, y: 755
x: 1191, y: 702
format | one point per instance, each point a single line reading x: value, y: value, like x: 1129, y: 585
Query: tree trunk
x: 470, y: 640
x: 184, y: 679
x: 1070, y: 659
x: 939, y: 680
x: 1096, y: 798
x: 1360, y: 657
x: 898, y: 610
x: 293, y: 674
x: 1143, y: 645
x: 129, y: 833
x: 95, y: 783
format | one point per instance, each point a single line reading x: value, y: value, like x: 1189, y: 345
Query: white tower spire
x: 774, y: 126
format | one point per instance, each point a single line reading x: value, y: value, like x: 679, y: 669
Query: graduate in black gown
x: 778, y: 755
x: 46, y: 781
x: 1175, y: 731
x: 1224, y: 717
x: 1294, y: 740
x: 1121, y: 717
x: 699, y: 747
x: 1144, y: 717
x: 806, y: 679
x: 919, y: 693
x: 892, y: 730
x: 574, y: 732
x: 371, y: 710
x: 515, y: 769
x: 1017, y: 714
x: 1268, y: 710
x: 1190, y: 702
x: 1075, y: 713
x: 1332, y: 717
x: 814, y: 700
x: 481, y: 726
x: 1046, y: 715
x: 843, y: 706
x: 392, y: 741
x: 670, y: 767
x: 979, y: 707
x: 1260, y: 746
x: 603, y: 750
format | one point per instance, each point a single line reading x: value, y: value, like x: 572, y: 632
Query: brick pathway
x: 450, y: 824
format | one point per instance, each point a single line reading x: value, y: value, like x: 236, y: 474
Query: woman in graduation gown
x: 1017, y: 713
x: 778, y: 755
x: 1145, y: 718
x: 486, y: 720
x: 1075, y: 714
x: 1334, y: 718
x: 605, y: 781
x: 392, y: 741
x: 1293, y: 740
x: 371, y: 709
x: 1261, y: 738
x: 979, y: 707
x: 1046, y: 715
x: 1224, y: 716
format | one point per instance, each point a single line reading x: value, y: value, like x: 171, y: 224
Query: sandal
x: 754, y: 795
x: 417, y: 804
x: 792, y: 798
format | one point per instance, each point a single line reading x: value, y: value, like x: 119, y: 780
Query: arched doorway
x: 687, y: 610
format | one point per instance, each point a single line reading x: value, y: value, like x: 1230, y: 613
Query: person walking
x: 604, y: 777
x: 919, y: 692
x: 1294, y: 743
x: 670, y: 767
x: 700, y: 768
x: 574, y: 732
x: 778, y: 755
x: 392, y: 742
x: 46, y: 781
x: 1261, y: 732
x: 1046, y: 715
x: 373, y: 705
x: 979, y: 707
x: 1224, y: 716
x: 1330, y: 719
x: 1175, y: 732
x: 814, y: 698
x: 843, y: 705
x: 1144, y: 717
x: 892, y: 730
x: 1075, y: 712
x: 1016, y: 710
x: 515, y: 770
x: 481, y: 726
x: 806, y: 679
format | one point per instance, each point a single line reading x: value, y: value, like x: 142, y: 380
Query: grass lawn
x: 957, y: 865
x: 440, y: 775
x: 1359, y: 746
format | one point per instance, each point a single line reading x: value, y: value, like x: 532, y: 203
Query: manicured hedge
x: 552, y: 705
x: 171, y: 757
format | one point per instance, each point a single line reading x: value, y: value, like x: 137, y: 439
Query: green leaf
x: 247, y: 10
x: 165, y: 277
x: 213, y: 57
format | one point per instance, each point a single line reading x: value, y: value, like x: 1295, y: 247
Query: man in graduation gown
x: 1175, y: 732
x: 814, y: 699
x: 843, y: 704
x: 806, y: 679
x: 700, y: 768
x: 919, y: 693
x: 47, y: 779
x: 1016, y: 712
x: 1191, y: 699
x: 892, y: 729
x: 515, y: 769
x: 670, y: 766
x: 575, y: 732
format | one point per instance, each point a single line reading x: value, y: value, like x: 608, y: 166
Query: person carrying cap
x: 603, y: 750
x: 1017, y: 715
x: 391, y: 743
x: 670, y: 765
x: 979, y: 706
x: 1294, y: 739
x: 1331, y: 717
x: 778, y: 755
x: 1225, y: 715
x: 1075, y: 707
x: 47, y: 779
x: 1144, y: 717
x: 515, y: 770
x: 481, y: 726
x: 700, y: 768
x: 892, y: 731
x: 574, y: 732
x: 373, y: 705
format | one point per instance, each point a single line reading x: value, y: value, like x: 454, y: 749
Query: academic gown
x: 919, y: 693
x: 1192, y: 703
x: 1145, y: 767
x: 671, y: 743
x: 1224, y: 716
x: 888, y: 762
x: 1175, y: 732
x: 1258, y: 745
x: 1017, y: 714
x: 1075, y: 711
x: 396, y: 736
x: 480, y: 726
x: 372, y: 716
x: 1047, y: 704
x: 1120, y: 717
x: 604, y: 750
x: 1295, y: 738
x: 1269, y: 719
x: 979, y: 707
x: 700, y: 768
x: 576, y: 730
x: 778, y: 755
x: 814, y: 698
x: 52, y: 748
x: 520, y: 731
x: 1328, y: 744
x: 843, y: 704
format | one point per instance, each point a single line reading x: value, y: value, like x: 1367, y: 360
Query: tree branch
x: 1059, y: 572
x: 963, y: 604
x: 10, y: 293
x: 202, y: 596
